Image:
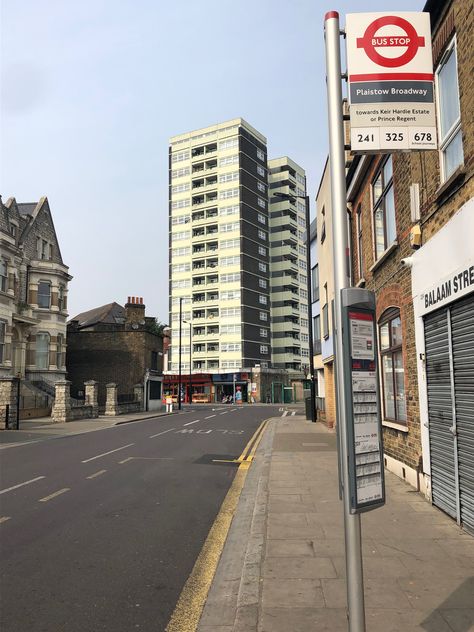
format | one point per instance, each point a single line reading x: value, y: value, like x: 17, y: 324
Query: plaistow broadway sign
x: 390, y: 75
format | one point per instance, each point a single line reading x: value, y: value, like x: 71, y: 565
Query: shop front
x: 197, y: 388
x: 231, y: 387
x: 443, y: 296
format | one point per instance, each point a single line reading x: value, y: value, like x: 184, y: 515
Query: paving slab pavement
x: 283, y: 565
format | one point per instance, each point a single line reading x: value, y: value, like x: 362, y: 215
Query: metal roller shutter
x: 462, y: 327
x: 440, y: 412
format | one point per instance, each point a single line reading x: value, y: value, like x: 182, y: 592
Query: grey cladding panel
x: 462, y: 326
x: 443, y: 475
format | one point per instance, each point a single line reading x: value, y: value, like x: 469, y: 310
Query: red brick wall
x: 390, y: 281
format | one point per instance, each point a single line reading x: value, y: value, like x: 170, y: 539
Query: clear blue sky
x: 92, y: 91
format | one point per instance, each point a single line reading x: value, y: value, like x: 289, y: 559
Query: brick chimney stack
x: 134, y: 310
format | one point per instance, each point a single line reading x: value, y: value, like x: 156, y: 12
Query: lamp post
x: 188, y: 322
x: 179, y: 352
x: 289, y: 196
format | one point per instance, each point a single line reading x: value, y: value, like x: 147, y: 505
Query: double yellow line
x: 250, y: 449
x: 187, y: 613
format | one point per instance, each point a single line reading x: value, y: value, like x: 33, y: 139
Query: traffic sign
x: 390, y: 74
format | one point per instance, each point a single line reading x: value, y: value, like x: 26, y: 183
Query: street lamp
x: 188, y: 322
x: 291, y: 197
x: 179, y: 352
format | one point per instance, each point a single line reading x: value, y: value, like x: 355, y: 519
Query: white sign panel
x: 362, y: 338
x: 390, y: 75
x: 368, y: 464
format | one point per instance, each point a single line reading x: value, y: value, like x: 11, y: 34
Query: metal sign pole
x: 179, y: 352
x: 352, y: 534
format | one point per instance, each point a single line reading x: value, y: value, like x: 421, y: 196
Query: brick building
x: 117, y: 344
x: 424, y: 291
x: 33, y: 294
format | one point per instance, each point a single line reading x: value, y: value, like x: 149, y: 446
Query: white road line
x: 161, y: 433
x: 97, y: 474
x: 106, y: 453
x: 293, y: 413
x: 191, y: 422
x: 10, y: 489
x: 58, y: 493
x: 209, y: 416
x: 4, y: 518
x: 285, y: 413
x: 130, y: 458
x: 224, y: 413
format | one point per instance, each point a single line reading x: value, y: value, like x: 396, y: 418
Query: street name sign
x: 390, y: 82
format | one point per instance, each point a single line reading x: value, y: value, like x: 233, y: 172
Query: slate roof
x: 112, y: 313
x: 27, y: 208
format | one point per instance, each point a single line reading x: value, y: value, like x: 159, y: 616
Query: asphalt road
x: 100, y: 531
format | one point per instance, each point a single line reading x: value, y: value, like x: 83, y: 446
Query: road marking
x: 251, y: 447
x: 285, y: 413
x: 97, y: 474
x: 191, y: 422
x: 161, y: 433
x: 209, y: 417
x: 106, y: 453
x: 317, y: 444
x: 4, y: 518
x: 293, y: 413
x: 251, y: 454
x: 187, y: 613
x: 58, y: 493
x: 130, y: 458
x: 10, y: 489
x: 224, y: 413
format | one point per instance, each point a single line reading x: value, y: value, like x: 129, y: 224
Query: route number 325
x: 394, y: 137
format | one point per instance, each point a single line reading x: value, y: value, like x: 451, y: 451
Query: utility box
x: 364, y: 427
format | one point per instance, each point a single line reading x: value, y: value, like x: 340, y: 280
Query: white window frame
x: 3, y: 275
x: 46, y: 283
x: 455, y: 128
x: 3, y: 332
x: 42, y: 356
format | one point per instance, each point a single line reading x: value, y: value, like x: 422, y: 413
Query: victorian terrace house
x: 33, y: 294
